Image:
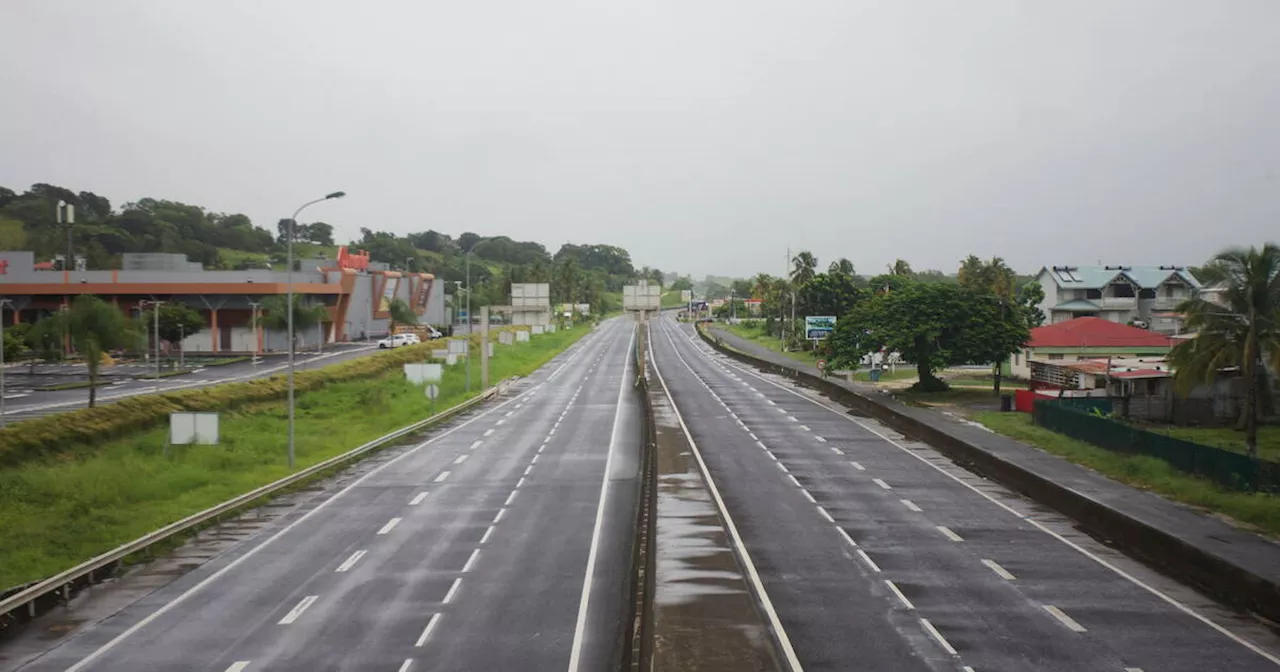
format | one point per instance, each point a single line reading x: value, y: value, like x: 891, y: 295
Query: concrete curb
x: 1159, y: 546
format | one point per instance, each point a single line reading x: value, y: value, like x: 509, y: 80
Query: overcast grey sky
x: 705, y: 136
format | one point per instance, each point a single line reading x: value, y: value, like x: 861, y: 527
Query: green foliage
x: 94, y: 326
x: 1243, y: 334
x: 401, y: 313
x: 15, y: 341
x: 828, y: 294
x: 176, y: 321
x: 803, y: 267
x: 681, y: 284
x: 305, y: 315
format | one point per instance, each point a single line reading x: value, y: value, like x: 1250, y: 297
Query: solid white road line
x: 238, y: 666
x: 453, y: 591
x: 471, y: 561
x: 461, y: 458
x: 766, y: 604
x: 847, y: 537
x: 946, y: 646
x: 391, y: 525
x: 946, y: 532
x: 510, y: 498
x: 296, y: 612
x: 475, y: 444
x: 443, y: 475
x: 426, y: 632
x: 417, y: 499
x: 1000, y: 571
x: 487, y: 532
x: 881, y: 483
x: 1065, y: 619
x: 575, y: 653
x: 501, y: 513
x: 826, y: 515
x: 857, y: 466
x: 911, y: 505
x: 809, y: 496
x: 351, y: 561
x: 408, y: 663
x: 903, y: 598
x: 488, y: 432
x: 867, y: 559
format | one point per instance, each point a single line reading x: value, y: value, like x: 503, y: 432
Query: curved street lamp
x: 293, y: 223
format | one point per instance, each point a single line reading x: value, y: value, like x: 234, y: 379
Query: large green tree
x: 1242, y: 334
x: 803, y: 267
x: 401, y: 313
x: 94, y: 326
x: 305, y: 315
x: 177, y: 321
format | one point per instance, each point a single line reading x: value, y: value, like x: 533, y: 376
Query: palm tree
x: 304, y: 316
x: 841, y: 266
x: 95, y: 327
x: 901, y: 268
x: 1243, y: 333
x: 803, y: 267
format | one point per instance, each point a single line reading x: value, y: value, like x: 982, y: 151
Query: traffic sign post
x: 433, y: 391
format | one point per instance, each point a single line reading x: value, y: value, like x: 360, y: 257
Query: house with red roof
x: 1088, y: 338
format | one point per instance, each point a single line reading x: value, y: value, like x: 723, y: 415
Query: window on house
x: 1015, y: 359
x: 1055, y: 356
x: 1122, y: 290
x: 1147, y: 293
x: 1093, y: 293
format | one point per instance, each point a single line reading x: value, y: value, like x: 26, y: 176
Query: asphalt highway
x: 872, y: 557
x: 503, y: 543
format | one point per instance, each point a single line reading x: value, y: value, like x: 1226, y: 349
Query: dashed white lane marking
x: 520, y: 482
x: 1133, y: 669
x: 822, y: 440
x: 835, y: 450
x: 501, y: 512
x: 881, y: 483
x: 847, y: 537
x: 417, y: 499
x: 408, y: 663
x: 805, y: 428
x: 793, y: 479
x: 520, y: 405
x: 793, y: 418
x: 911, y: 505
x: 771, y: 402
x: 471, y: 561
x: 351, y: 561
x: 488, y: 432
x: 1000, y: 571
x: 507, y: 414
x: 1065, y: 619
x: 528, y: 469
x: 475, y: 444
x: 541, y: 448
x: 771, y: 455
x: 500, y: 422
x: 552, y: 432
x: 753, y: 436
x: 946, y: 532
x: 784, y: 468
x: 443, y: 475
x: 487, y: 532
x: 461, y: 458
x: 391, y: 524
x: 426, y: 632
x: 942, y: 641
x: 902, y: 598
x: 535, y: 459
x: 761, y: 444
x: 510, y: 498
x: 826, y: 515
x: 808, y: 496
x: 238, y: 666
x: 867, y: 559
x: 857, y: 466
x: 296, y: 612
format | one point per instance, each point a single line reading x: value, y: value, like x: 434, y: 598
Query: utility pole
x: 3, y: 303
x: 155, y: 310
x: 484, y: 347
x: 253, y: 320
x: 182, y: 337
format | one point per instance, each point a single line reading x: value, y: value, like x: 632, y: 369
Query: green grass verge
x: 1226, y: 438
x: 1148, y: 473
x: 59, y: 511
x: 79, y: 385
x: 758, y: 336
x: 162, y: 374
x: 218, y: 361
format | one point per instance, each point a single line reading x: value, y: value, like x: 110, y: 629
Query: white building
x: 1122, y: 294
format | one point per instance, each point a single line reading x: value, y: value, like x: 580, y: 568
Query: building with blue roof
x: 1142, y: 295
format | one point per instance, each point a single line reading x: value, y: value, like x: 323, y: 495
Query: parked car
x: 397, y: 341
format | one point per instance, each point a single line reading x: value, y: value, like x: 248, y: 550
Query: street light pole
x: 3, y: 303
x: 293, y: 223
x: 253, y: 320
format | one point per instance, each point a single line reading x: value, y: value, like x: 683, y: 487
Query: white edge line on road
x: 808, y: 496
x: 946, y: 646
x: 426, y: 632
x: 296, y: 613
x: 1000, y: 571
x: 846, y: 536
x: 471, y: 561
x: 1038, y: 525
x: 793, y: 480
x: 867, y: 559
x: 579, y: 631
x: 351, y: 561
x: 391, y: 525
x: 1066, y: 620
x: 453, y: 591
x: 417, y: 499
x: 238, y: 666
x: 784, y: 468
x: 766, y: 604
x: 84, y: 662
x: 903, y: 598
x: 826, y: 515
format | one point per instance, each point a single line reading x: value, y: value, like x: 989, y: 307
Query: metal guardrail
x: 63, y: 581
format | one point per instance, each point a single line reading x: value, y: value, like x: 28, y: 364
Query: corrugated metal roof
x: 1092, y: 332
x: 1097, y: 277
x: 1078, y: 306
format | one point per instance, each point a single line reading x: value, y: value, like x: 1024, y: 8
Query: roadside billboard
x: 818, y: 327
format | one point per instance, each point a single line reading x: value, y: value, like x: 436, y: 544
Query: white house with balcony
x: 1147, y: 295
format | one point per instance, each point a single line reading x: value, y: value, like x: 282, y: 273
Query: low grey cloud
x: 706, y: 137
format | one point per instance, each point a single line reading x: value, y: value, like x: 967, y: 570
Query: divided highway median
x: 81, y: 483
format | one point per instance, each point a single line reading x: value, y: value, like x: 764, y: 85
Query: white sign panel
x: 458, y: 346
x: 506, y: 338
x: 686, y: 295
x: 451, y: 359
x: 537, y: 329
x: 439, y: 354
x: 522, y: 336
x: 551, y: 328
x: 641, y: 297
x: 189, y: 428
x: 423, y: 373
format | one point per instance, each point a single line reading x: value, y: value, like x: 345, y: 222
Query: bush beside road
x: 59, y: 508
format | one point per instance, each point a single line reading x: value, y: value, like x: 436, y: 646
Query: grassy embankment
x: 755, y: 333
x: 59, y: 511
x: 1148, y: 473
